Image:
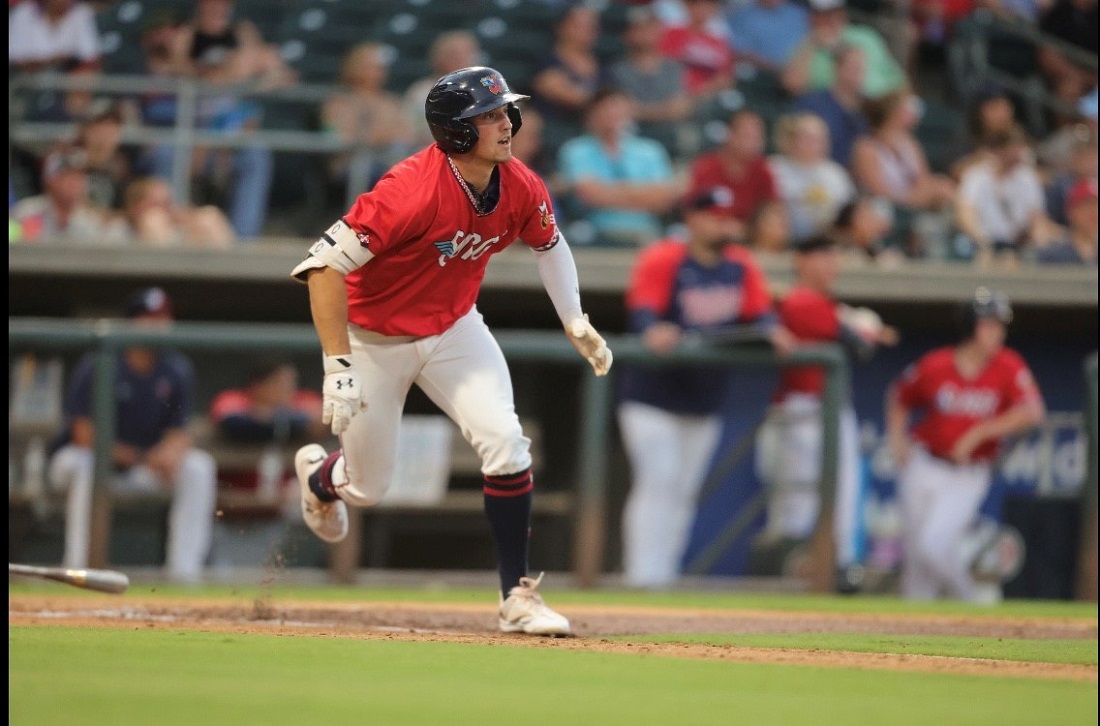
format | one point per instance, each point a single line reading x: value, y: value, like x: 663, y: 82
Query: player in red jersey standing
x: 393, y: 286
x: 972, y: 395
x: 789, y: 446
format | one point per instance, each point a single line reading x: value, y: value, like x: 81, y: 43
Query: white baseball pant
x: 788, y: 461
x: 190, y: 518
x: 939, y: 502
x: 462, y: 370
x: 669, y: 457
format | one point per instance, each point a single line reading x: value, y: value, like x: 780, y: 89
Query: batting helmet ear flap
x: 515, y: 117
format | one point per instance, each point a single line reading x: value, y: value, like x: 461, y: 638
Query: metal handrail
x: 108, y: 337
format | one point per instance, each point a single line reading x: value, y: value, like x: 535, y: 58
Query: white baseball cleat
x: 525, y: 612
x: 328, y: 520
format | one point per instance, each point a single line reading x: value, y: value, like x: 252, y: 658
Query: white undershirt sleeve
x: 559, y: 276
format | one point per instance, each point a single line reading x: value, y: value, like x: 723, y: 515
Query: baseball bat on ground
x: 101, y: 580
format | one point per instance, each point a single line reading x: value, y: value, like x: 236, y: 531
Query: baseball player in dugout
x: 392, y: 288
x: 972, y: 395
x: 670, y: 418
x: 789, y: 446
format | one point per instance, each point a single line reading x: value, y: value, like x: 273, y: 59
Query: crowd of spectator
x: 621, y: 136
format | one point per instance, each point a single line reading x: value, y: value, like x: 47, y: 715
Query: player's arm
x: 1026, y: 412
x: 338, y: 252
x: 897, y: 426
x: 757, y: 308
x: 558, y: 272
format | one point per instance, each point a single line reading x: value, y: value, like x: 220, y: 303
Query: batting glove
x: 590, y: 345
x: 343, y: 393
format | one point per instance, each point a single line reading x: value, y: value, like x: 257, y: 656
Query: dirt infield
x: 593, y: 627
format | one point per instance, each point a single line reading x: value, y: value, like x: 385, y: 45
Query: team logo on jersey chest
x: 464, y: 246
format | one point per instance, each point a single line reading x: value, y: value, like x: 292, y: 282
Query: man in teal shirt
x: 811, y: 66
x: 620, y: 183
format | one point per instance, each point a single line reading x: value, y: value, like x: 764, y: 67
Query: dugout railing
x: 1087, y: 555
x: 594, y: 446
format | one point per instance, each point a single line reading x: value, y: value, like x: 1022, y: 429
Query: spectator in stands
x: 935, y: 20
x: 769, y: 230
x: 766, y: 33
x: 989, y: 113
x: 450, y: 51
x: 219, y: 50
x: 841, y: 105
x: 653, y: 81
x: 365, y: 114
x: 1077, y: 245
x: 59, y: 36
x: 65, y: 213
x: 1082, y: 166
x: 152, y: 449
x: 739, y: 165
x: 270, y: 410
x: 789, y: 444
x: 52, y: 35
x: 669, y: 417
x: 1073, y: 23
x: 890, y: 163
x: 565, y: 84
x: 811, y: 66
x: 530, y: 148
x: 863, y: 226
x: 109, y: 166
x: 153, y: 218
x: 622, y: 183
x: 707, y: 58
x: 1000, y: 206
x: 813, y: 186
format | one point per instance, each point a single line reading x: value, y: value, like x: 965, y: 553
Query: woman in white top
x: 813, y: 186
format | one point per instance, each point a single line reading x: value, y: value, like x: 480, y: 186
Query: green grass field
x: 141, y: 675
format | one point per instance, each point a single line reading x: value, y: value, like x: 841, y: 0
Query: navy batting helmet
x: 458, y: 96
x: 985, y: 304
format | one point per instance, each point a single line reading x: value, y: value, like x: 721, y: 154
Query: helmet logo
x: 493, y: 84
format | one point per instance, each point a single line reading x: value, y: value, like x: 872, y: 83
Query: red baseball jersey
x: 755, y: 187
x: 702, y: 55
x: 952, y: 404
x: 431, y: 245
x: 812, y: 317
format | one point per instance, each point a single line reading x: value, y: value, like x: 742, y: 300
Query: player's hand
x: 661, y: 338
x: 589, y: 344
x: 343, y: 393
x: 783, y: 341
x: 964, y: 447
x: 899, y: 451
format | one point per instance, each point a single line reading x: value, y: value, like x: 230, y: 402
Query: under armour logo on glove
x: 343, y: 393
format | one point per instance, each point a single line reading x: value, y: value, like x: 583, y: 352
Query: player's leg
x: 465, y: 374
x: 652, y: 446
x: 793, y: 498
x: 848, y: 495
x: 191, y: 518
x: 72, y: 469
x: 360, y: 471
x: 698, y: 438
x: 915, y: 492
x: 958, y: 496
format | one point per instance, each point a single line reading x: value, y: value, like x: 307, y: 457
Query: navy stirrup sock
x: 320, y: 482
x: 508, y: 507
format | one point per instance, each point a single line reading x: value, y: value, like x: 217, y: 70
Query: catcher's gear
x: 343, y: 393
x: 590, y: 344
x: 985, y: 304
x: 461, y: 95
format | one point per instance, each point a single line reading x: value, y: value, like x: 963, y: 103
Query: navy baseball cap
x: 150, y: 302
x: 717, y: 199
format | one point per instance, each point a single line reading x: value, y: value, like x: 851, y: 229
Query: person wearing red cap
x: 153, y: 390
x: 1078, y: 245
x: 671, y: 417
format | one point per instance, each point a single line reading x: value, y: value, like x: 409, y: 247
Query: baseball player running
x: 392, y: 287
x: 972, y: 395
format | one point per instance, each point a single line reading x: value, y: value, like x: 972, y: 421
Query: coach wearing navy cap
x: 152, y: 448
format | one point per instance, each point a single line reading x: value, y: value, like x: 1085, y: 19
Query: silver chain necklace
x: 475, y: 200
